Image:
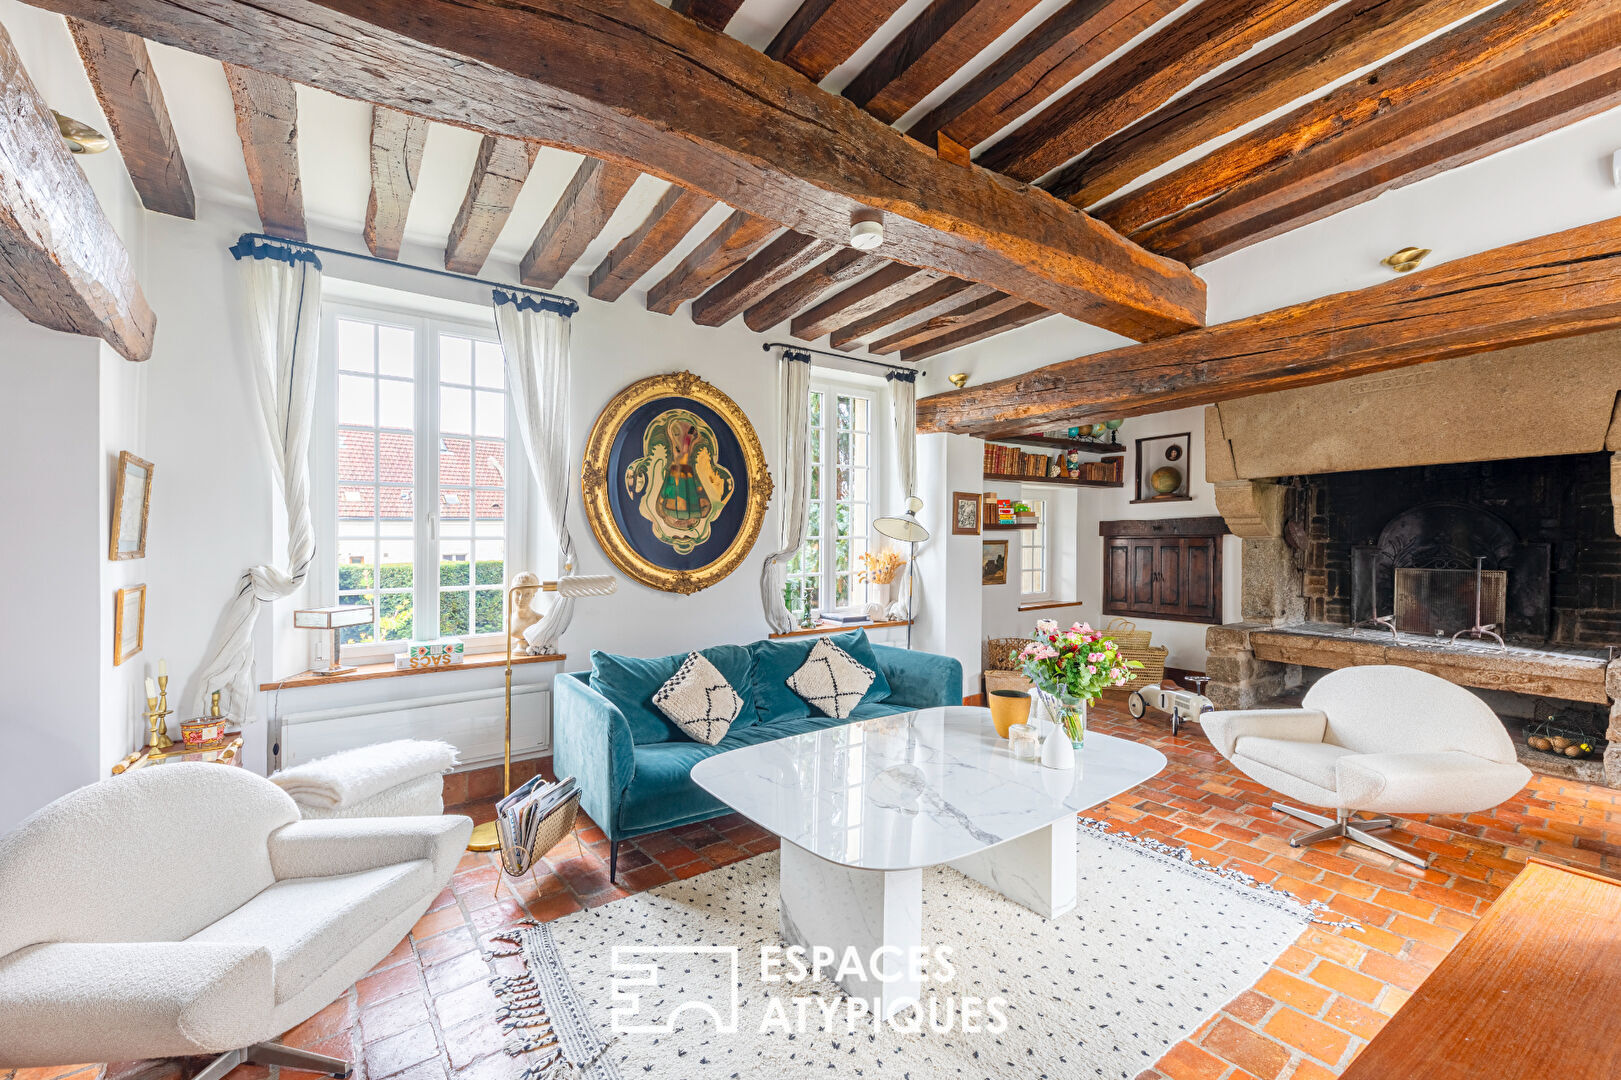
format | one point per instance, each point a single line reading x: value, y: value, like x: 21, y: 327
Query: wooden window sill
x: 835, y: 628
x: 1042, y: 605
x: 365, y: 672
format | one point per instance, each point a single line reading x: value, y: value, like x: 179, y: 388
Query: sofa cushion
x: 630, y: 682
x: 309, y: 923
x: 699, y: 700
x: 664, y: 792
x: 776, y: 660
x: 1311, y: 761
x: 831, y: 680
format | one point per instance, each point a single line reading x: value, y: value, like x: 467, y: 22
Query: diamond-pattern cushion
x: 831, y: 680
x: 699, y: 700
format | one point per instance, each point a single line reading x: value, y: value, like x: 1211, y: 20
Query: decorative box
x: 441, y: 652
x: 203, y: 733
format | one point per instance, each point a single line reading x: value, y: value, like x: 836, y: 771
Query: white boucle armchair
x: 1379, y: 738
x: 186, y: 909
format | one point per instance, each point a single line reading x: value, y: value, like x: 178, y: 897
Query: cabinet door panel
x: 1143, y: 560
x: 1168, y: 577
x: 1117, y: 575
x: 1200, y: 586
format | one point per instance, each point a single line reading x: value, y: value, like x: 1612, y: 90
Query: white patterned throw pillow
x: 699, y: 700
x: 831, y: 679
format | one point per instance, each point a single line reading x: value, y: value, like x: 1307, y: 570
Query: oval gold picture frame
x: 598, y: 473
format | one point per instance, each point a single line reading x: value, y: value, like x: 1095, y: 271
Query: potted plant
x: 881, y: 568
x: 1024, y: 513
x: 1071, y: 669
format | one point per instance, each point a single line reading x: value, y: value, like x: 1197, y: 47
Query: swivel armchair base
x: 1353, y: 829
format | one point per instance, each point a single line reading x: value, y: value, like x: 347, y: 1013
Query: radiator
x: 472, y: 722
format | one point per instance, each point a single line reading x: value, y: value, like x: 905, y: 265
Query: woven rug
x: 668, y: 983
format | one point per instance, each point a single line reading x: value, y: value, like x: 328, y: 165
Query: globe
x: 1165, y: 479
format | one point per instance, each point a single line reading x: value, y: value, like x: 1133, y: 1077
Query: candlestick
x: 151, y: 692
x: 163, y: 667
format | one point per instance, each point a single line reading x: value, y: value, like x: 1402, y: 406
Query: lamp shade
x: 905, y: 528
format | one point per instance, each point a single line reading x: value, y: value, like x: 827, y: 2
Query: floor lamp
x: 908, y: 530
x: 485, y: 837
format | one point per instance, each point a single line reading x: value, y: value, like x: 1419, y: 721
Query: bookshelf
x: 1058, y: 442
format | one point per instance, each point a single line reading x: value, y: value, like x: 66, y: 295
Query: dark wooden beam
x: 267, y: 123
x: 714, y: 14
x: 1141, y: 81
x: 786, y: 256
x: 1070, y: 41
x: 843, y: 265
x: 696, y: 108
x: 944, y: 36
x: 1361, y: 33
x: 1554, y: 286
x: 578, y: 217
x: 672, y: 218
x: 396, y: 156
x: 62, y: 264
x: 1503, y: 78
x: 822, y: 34
x: 969, y: 313
x: 721, y: 252
x: 937, y: 299
x: 873, y: 293
x: 499, y: 171
x: 1001, y: 323
x: 121, y: 74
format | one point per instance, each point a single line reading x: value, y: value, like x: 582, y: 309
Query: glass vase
x: 1068, y: 713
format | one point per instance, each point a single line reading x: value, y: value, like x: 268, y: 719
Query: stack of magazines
x: 519, y: 816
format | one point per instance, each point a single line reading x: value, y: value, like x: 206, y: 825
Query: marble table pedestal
x: 878, y: 914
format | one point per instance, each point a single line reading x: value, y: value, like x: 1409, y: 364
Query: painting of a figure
x: 678, y: 482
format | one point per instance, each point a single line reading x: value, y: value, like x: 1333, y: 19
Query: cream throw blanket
x: 345, y: 778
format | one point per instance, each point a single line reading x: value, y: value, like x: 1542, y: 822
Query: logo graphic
x: 641, y: 965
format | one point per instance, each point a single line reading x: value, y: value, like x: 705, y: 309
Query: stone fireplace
x: 1377, y: 512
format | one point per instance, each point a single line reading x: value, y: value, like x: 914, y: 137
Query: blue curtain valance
x: 557, y: 305
x: 249, y: 248
x: 901, y: 376
x: 796, y: 355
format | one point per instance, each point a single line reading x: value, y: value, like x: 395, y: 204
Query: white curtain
x: 284, y: 317
x: 793, y: 482
x: 903, y: 401
x: 535, y: 342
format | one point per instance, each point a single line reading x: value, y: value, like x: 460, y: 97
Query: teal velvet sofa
x: 633, y: 766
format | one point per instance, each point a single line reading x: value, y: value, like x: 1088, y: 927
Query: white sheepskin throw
x: 341, y: 780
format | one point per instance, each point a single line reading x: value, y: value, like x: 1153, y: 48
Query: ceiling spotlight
x: 1405, y: 260
x: 80, y: 138
x: 958, y: 380
x: 866, y: 229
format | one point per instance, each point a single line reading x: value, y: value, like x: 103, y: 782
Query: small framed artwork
x: 965, y: 513
x: 131, y: 499
x: 129, y: 623
x: 1164, y: 463
x: 993, y: 562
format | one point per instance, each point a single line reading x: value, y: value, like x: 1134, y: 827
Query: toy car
x: 1183, y: 705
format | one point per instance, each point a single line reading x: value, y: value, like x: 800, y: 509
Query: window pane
x: 357, y: 457
x: 844, y: 448
x: 487, y: 611
x: 453, y: 612
x: 396, y: 457
x: 846, y: 412
x: 455, y: 411
x: 490, y: 371
x: 355, y: 405
x: 491, y: 414
x: 455, y: 460
x: 455, y: 359
x: 349, y: 635
x: 396, y: 351
x: 455, y: 504
x: 354, y: 346
x: 863, y: 407
x: 396, y: 404
x: 395, y: 616
x: 491, y: 464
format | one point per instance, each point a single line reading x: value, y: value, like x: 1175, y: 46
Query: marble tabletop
x: 914, y: 789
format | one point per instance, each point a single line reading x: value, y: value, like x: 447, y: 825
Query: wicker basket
x: 1134, y: 645
x: 551, y: 831
x: 998, y: 650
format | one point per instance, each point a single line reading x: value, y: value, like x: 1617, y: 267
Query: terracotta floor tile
x: 1301, y: 1032
x: 446, y: 946
x: 333, y: 1020
x: 455, y: 973
x: 553, y: 907
x: 386, y: 1057
x: 1247, y: 1049
x: 437, y: 922
x: 465, y: 1003
x: 387, y: 984
x: 393, y: 1016
x: 466, y: 1043
x: 1294, y: 992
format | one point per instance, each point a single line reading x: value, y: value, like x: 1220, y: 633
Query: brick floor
x: 424, y: 1014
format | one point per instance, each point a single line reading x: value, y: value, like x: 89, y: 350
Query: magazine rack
x: 548, y: 834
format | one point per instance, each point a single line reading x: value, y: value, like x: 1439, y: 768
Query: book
x: 518, y: 817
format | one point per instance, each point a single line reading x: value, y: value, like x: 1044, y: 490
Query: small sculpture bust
x: 524, y: 587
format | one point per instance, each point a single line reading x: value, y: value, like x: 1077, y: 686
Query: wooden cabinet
x: 1165, y: 569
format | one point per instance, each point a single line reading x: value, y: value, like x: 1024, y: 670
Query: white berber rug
x: 1157, y: 944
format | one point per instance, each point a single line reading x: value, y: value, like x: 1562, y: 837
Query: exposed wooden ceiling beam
x: 787, y: 255
x: 697, y: 108
x: 62, y: 264
x: 926, y: 303
x: 944, y: 36
x: 873, y: 293
x: 1553, y: 286
x: 1499, y: 80
x: 499, y: 171
x: 1073, y: 38
x: 267, y: 123
x: 121, y: 74
x: 1012, y: 319
x: 822, y: 34
x: 721, y: 252
x: 1359, y: 34
x: 578, y: 217
x: 675, y: 214
x: 396, y: 156
x: 714, y: 14
x: 968, y: 313
x: 1141, y: 81
x: 843, y: 265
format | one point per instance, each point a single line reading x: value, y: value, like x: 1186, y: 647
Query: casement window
x: 1035, y: 553
x: 418, y: 500
x: 823, y: 575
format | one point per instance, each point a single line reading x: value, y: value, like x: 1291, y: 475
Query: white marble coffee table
x: 862, y: 808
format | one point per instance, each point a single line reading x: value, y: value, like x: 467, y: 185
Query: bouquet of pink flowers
x: 1073, y: 666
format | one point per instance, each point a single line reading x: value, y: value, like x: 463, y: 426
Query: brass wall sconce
x: 80, y: 138
x: 1405, y: 260
x: 958, y: 380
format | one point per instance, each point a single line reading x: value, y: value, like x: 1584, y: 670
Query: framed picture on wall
x: 132, y: 496
x: 965, y: 513
x: 1164, y: 463
x: 129, y: 623
x: 993, y: 562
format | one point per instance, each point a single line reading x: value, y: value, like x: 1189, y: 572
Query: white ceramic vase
x: 1056, y: 750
